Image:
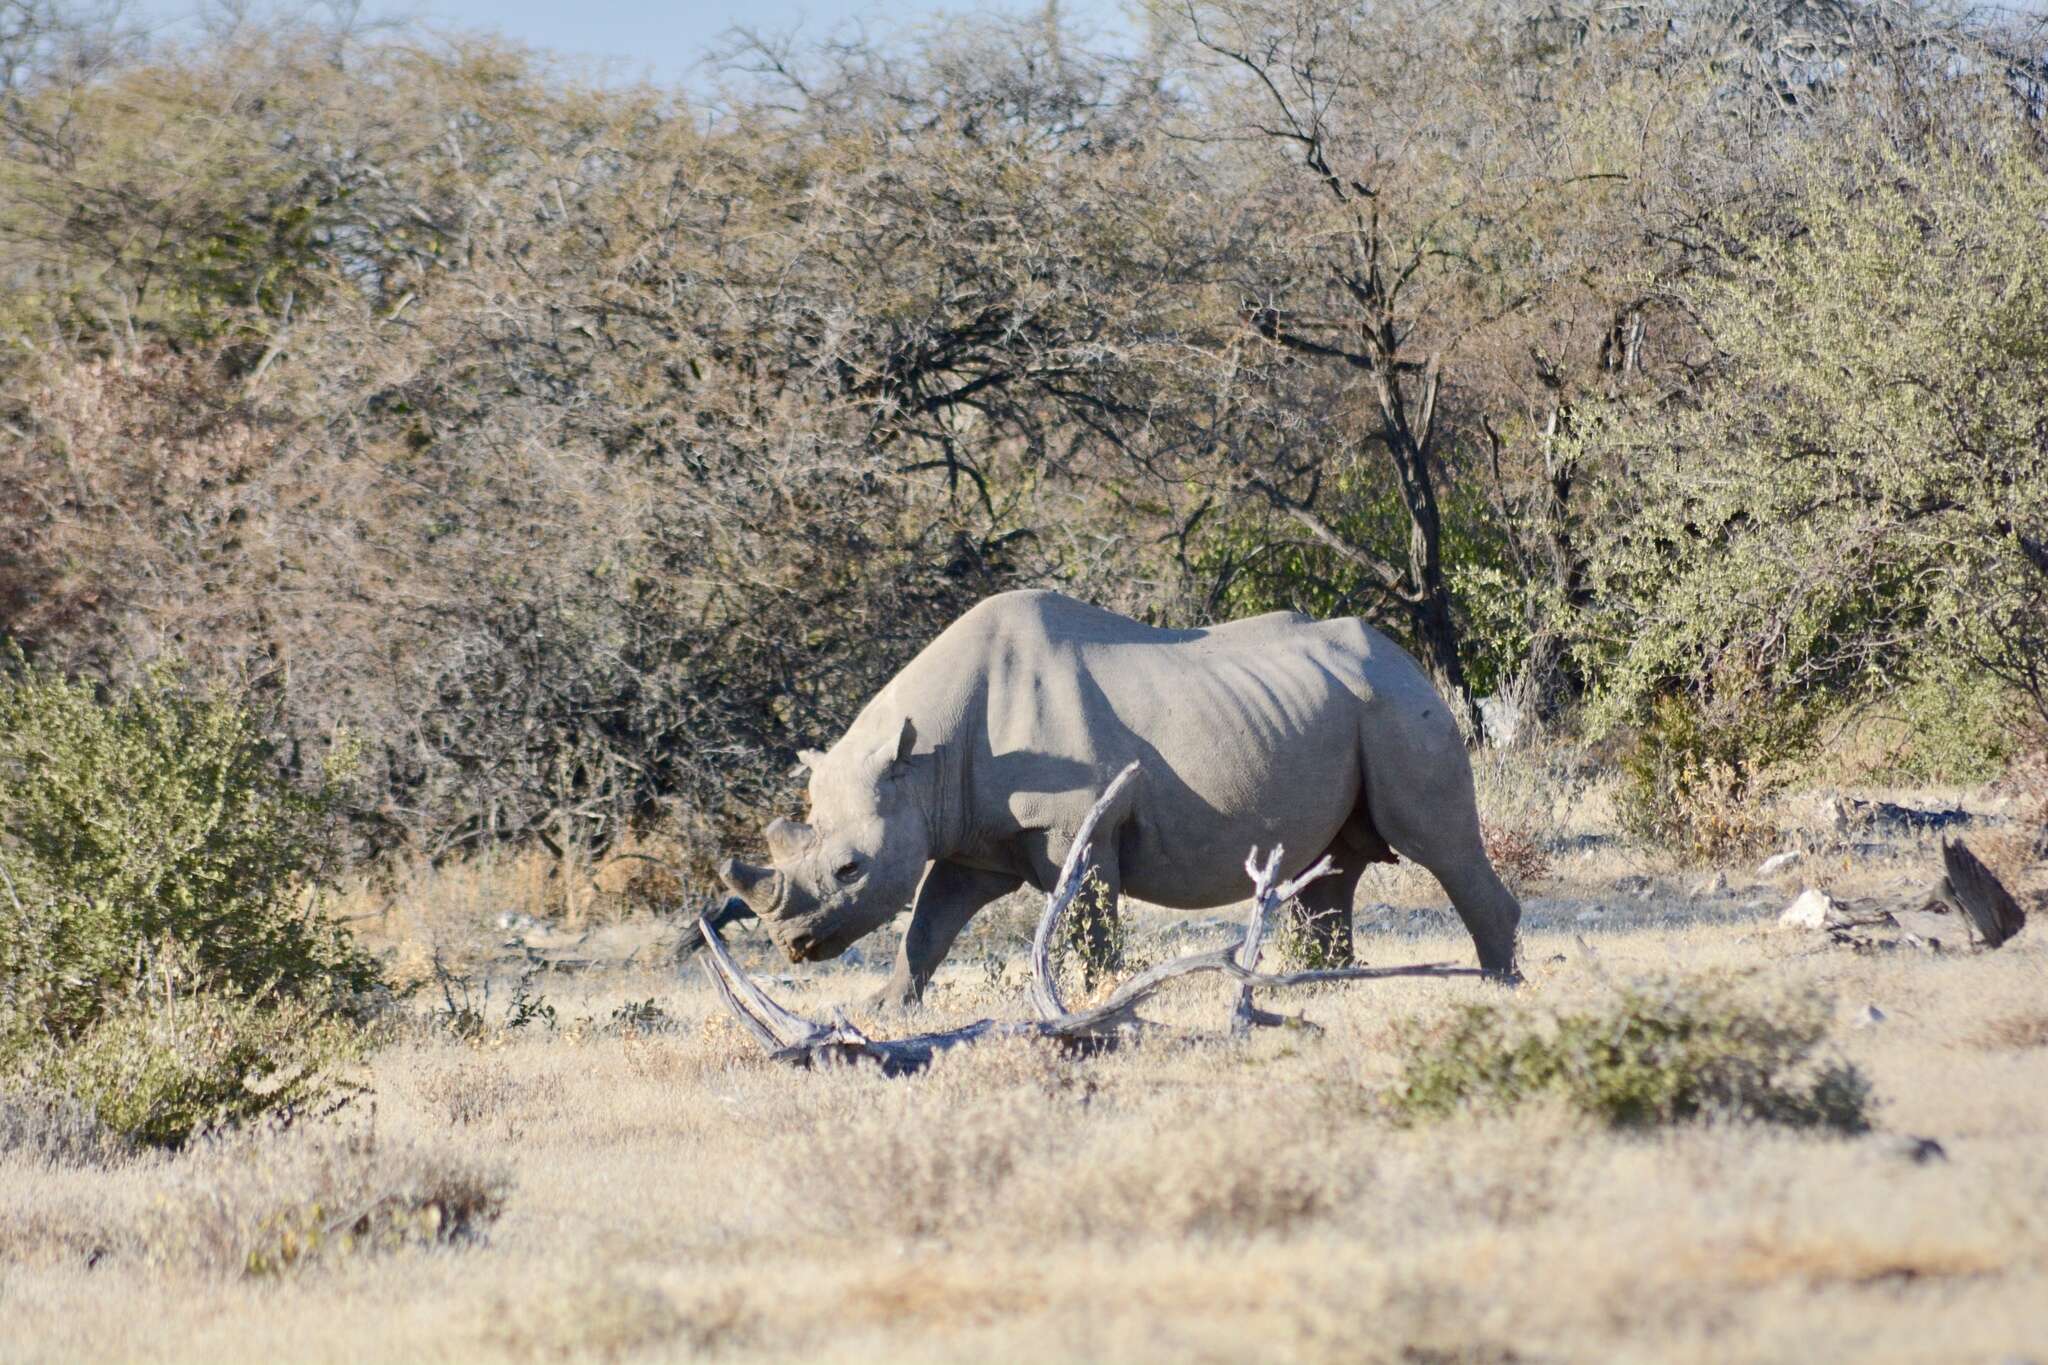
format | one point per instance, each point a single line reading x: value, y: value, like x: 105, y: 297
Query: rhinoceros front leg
x: 949, y: 896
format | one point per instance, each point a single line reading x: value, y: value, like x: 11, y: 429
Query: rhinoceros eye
x: 847, y: 872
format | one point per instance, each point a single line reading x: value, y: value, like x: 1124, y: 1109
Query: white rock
x: 1778, y: 862
x: 1810, y: 911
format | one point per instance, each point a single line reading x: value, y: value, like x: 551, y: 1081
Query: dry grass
x: 669, y: 1194
x: 272, y: 1206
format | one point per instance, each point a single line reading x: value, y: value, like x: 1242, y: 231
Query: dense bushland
x: 583, y: 451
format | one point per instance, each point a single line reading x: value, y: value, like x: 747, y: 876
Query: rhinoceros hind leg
x: 1490, y: 911
x: 1422, y: 796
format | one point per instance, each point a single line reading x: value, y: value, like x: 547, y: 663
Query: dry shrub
x: 1825, y: 1261
x: 476, y: 1090
x: 256, y: 1208
x: 2015, y: 1032
x: 920, y: 1162
x: 668, y: 1059
x: 932, y: 1155
x: 71, y: 1233
x: 1699, y: 782
x: 643, y: 872
x: 2011, y: 853
x: 1195, y: 1170
x: 1011, y: 1138
x: 607, y: 1317
x: 1517, y: 855
x: 467, y: 1092
x: 52, y: 1128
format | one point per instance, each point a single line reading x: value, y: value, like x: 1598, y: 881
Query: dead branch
x: 1970, y: 888
x: 1966, y: 902
x: 791, y: 1038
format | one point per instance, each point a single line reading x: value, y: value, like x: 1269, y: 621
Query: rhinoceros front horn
x: 745, y: 880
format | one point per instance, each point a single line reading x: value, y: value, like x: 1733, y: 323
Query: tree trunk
x: 1436, y: 625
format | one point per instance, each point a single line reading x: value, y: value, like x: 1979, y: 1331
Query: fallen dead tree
x: 802, y: 1042
x: 1966, y: 904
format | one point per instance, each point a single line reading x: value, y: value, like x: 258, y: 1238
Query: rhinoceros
x: 966, y: 775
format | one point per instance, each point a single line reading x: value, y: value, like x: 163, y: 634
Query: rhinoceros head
x: 849, y: 871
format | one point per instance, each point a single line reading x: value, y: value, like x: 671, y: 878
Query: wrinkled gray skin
x: 967, y: 774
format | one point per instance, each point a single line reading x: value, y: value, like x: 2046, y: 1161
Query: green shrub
x: 1696, y: 784
x: 164, y: 958
x: 1959, y: 725
x: 154, y: 819
x: 1662, y: 1052
x: 1850, y: 497
x: 1092, y: 943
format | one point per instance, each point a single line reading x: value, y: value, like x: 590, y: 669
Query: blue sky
x: 649, y: 39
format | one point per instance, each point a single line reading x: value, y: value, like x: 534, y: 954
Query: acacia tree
x: 1433, y: 206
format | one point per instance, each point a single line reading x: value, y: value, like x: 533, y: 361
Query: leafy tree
x: 1862, y: 488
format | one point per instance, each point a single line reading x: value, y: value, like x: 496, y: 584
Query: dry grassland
x: 667, y: 1193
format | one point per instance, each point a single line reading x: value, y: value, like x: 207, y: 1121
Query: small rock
x: 1778, y: 862
x: 1716, y: 885
x: 1918, y: 1150
x: 1870, y: 1014
x: 1812, y: 910
x: 852, y: 957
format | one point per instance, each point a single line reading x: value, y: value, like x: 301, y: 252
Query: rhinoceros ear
x: 809, y: 758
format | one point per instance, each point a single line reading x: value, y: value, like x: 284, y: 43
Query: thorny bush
x: 164, y: 957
